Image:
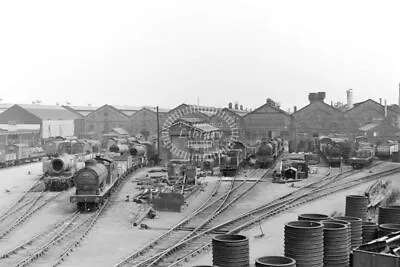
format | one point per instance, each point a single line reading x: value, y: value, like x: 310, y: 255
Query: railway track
x: 195, y: 223
x: 27, y: 206
x: 181, y: 252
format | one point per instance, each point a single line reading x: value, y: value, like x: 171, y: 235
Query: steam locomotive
x: 95, y: 182
x: 335, y: 150
x: 60, y: 172
x: 233, y: 159
x: 268, y: 151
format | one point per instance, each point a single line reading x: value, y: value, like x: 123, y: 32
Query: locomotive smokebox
x: 119, y: 148
x: 58, y: 165
x: 137, y: 150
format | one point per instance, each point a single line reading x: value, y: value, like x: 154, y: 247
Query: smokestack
x: 230, y: 105
x: 385, y: 109
x: 241, y: 107
x: 294, y: 109
x: 236, y: 105
x: 399, y: 95
x: 349, y: 98
x: 380, y: 101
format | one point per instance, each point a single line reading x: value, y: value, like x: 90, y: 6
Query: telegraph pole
x: 158, y: 137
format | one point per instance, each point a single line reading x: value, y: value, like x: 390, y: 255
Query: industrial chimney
x: 386, y: 109
x: 349, y: 98
x: 230, y: 105
x: 399, y: 95
x: 398, y: 116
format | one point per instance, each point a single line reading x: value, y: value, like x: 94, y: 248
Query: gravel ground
x: 272, y: 242
x: 114, y: 237
x: 15, y: 180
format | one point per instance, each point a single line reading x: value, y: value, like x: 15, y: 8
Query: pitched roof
x: 49, y: 112
x: 369, y: 126
x: 375, y: 123
x: 394, y: 108
x: 5, y: 106
x: 303, y: 108
x: 120, y: 131
x: 239, y: 112
x: 271, y: 106
x: 205, y: 127
x: 111, y: 107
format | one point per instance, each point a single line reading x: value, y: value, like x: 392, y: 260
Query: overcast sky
x: 168, y: 52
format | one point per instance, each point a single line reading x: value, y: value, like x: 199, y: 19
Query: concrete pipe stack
x: 387, y: 228
x: 336, y: 244
x: 356, y: 230
x: 348, y: 224
x: 304, y: 242
x: 369, y: 231
x: 389, y: 214
x: 230, y: 251
x: 275, y: 261
x: 315, y: 217
x: 357, y: 206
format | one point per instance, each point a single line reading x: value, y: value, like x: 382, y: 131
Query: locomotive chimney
x: 349, y: 98
x: 230, y: 105
x: 386, y: 109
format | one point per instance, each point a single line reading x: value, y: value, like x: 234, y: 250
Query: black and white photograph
x: 225, y: 133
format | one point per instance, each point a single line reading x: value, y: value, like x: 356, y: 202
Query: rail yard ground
x: 114, y: 237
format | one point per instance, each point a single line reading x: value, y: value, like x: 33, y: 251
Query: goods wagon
x: 386, y: 149
x: 16, y: 154
x: 52, y: 147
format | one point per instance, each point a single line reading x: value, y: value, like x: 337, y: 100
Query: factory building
x: 236, y: 112
x: 50, y: 121
x: 368, y: 111
x: 267, y: 121
x: 103, y: 119
x: 5, y: 106
x: 315, y: 119
x: 379, y: 130
x: 144, y: 122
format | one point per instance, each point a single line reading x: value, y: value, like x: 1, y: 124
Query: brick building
x: 315, y: 119
x: 267, y: 121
